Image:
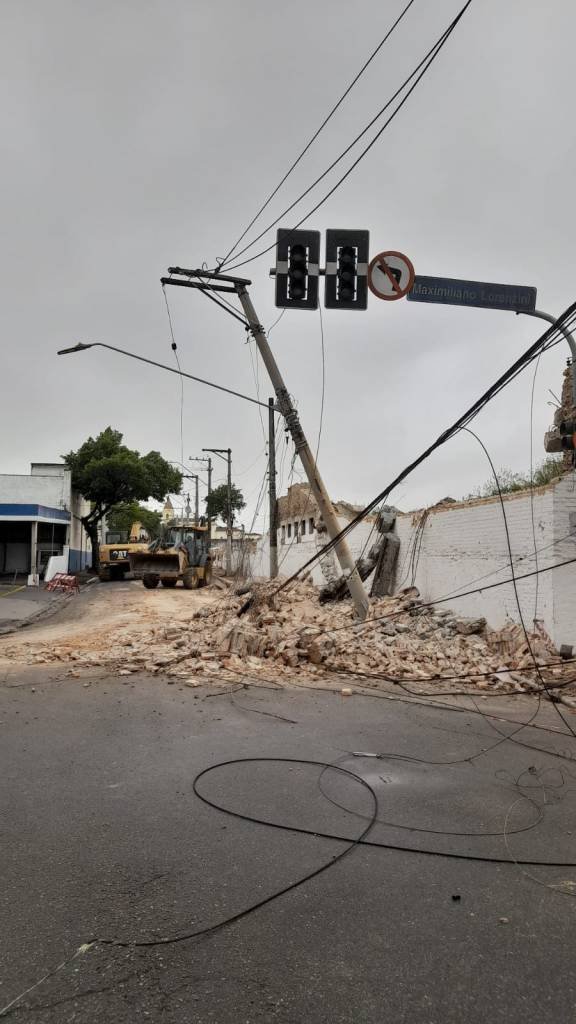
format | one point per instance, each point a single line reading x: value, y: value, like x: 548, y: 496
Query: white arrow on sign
x: 390, y: 275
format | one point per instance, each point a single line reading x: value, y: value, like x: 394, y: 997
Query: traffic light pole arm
x: 567, y: 334
x: 344, y: 555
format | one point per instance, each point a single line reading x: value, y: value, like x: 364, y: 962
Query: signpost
x: 454, y: 292
x: 390, y: 275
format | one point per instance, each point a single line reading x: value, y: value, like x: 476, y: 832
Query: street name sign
x: 390, y: 275
x: 454, y: 292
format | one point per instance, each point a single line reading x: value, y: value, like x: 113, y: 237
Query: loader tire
x: 150, y: 580
x: 104, y: 575
x: 168, y: 582
x: 207, y: 577
x: 190, y: 579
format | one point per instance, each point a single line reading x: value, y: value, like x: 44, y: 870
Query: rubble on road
x: 290, y: 636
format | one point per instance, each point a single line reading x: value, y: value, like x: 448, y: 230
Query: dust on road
x: 105, y: 618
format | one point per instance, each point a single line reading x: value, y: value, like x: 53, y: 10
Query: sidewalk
x: 20, y: 605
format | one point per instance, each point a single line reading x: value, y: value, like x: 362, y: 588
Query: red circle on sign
x: 398, y: 291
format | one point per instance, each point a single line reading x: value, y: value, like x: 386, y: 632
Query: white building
x: 40, y: 517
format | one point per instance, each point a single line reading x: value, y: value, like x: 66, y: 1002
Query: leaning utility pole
x: 211, y: 281
x: 226, y: 454
x: 272, y: 490
x: 349, y: 570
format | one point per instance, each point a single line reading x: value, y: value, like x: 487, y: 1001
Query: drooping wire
x: 532, y: 517
x: 424, y: 65
x: 546, y: 340
x: 174, y: 348
x: 515, y: 584
x: 346, y: 92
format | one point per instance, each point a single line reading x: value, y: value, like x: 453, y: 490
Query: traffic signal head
x: 297, y: 265
x: 346, y: 269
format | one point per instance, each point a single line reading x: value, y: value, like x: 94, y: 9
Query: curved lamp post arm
x: 563, y: 330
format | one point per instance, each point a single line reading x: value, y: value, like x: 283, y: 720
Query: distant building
x: 167, y: 512
x: 299, y: 515
x: 39, y: 517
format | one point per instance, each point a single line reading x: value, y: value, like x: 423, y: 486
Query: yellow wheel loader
x: 115, y: 553
x: 181, y: 553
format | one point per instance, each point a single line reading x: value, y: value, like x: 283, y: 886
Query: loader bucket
x: 155, y: 563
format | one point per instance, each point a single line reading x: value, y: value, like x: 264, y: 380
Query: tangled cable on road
x: 351, y: 844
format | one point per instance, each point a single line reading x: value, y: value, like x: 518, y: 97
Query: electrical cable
x: 419, y: 71
x: 317, y: 133
x: 514, y: 584
x: 450, y: 855
x: 432, y: 831
x: 532, y: 518
x: 351, y: 845
x: 545, y: 341
x: 174, y: 348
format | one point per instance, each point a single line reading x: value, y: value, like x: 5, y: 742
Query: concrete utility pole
x: 226, y: 454
x: 196, y: 508
x: 212, y: 281
x: 208, y: 461
x: 272, y: 490
x: 348, y: 566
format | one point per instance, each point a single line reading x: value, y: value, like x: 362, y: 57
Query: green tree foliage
x: 121, y: 518
x: 108, y: 473
x: 547, y: 470
x: 217, y: 502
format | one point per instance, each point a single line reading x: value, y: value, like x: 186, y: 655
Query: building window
x: 310, y: 526
x: 283, y: 535
x: 303, y: 527
x: 289, y: 530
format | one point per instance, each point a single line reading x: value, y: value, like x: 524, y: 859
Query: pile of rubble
x: 290, y: 636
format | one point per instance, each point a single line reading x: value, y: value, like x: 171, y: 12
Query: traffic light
x: 346, y: 269
x: 297, y: 265
x: 567, y: 430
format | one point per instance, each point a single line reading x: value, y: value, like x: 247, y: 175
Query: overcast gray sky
x: 139, y: 134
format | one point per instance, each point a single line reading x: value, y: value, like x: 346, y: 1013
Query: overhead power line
x: 336, y: 106
x: 548, y: 339
x: 419, y: 71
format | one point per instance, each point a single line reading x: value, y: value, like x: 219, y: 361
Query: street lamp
x: 82, y: 346
x: 270, y: 405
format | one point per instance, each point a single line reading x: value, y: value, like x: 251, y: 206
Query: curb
x: 44, y: 613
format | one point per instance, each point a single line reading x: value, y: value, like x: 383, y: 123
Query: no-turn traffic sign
x: 390, y: 275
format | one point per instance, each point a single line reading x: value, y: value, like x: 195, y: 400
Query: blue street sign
x: 453, y: 292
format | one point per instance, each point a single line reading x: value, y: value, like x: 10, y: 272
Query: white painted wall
x: 49, y: 490
x: 294, y: 554
x: 463, y: 546
x: 57, y: 563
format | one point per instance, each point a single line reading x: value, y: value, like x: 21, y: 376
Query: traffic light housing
x: 567, y: 430
x: 297, y: 267
x: 346, y: 269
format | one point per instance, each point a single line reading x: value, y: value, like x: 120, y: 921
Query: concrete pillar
x: 34, y: 547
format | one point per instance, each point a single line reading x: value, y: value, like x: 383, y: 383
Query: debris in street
x: 288, y: 635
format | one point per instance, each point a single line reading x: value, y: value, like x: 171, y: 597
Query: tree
x: 217, y: 502
x: 547, y: 470
x: 107, y: 473
x: 121, y: 518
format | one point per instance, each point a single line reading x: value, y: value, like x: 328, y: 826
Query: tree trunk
x: 91, y: 527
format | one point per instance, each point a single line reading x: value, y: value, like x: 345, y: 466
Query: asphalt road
x: 103, y: 837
